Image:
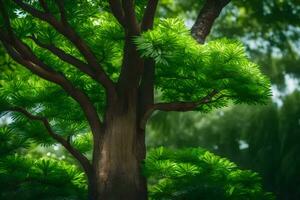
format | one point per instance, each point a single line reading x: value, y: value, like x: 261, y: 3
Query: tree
x: 94, y: 66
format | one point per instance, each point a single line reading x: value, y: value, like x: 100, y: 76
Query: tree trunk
x: 118, y: 166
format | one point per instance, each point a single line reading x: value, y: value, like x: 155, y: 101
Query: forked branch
x: 66, y: 30
x: 23, y: 55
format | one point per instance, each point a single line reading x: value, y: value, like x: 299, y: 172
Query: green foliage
x: 23, y: 176
x: 27, y: 178
x: 262, y: 138
x: 83, y: 143
x: 268, y: 29
x: 40, y: 98
x: 198, y: 174
x: 188, y: 71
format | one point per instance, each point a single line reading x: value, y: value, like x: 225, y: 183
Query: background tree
x: 97, y: 75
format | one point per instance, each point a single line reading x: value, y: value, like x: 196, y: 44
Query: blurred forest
x: 263, y: 138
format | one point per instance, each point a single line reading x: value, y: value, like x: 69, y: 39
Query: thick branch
x: 177, y: 106
x: 131, y: 22
x: 66, y: 30
x: 146, y: 89
x: 149, y: 14
x: 117, y: 10
x: 78, y: 156
x: 206, y: 18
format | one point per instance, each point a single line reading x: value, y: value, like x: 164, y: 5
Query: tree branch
x: 149, y: 14
x: 206, y: 18
x: 24, y: 56
x: 146, y: 88
x: 130, y: 19
x: 177, y: 106
x: 77, y: 41
x: 117, y: 10
x: 83, y: 67
x: 85, y: 163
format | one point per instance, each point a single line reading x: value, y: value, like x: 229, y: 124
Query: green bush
x: 195, y: 173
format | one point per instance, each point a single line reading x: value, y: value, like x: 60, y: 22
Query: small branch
x: 85, y: 163
x: 176, y: 106
x: 206, y: 18
x: 65, y: 57
x: 117, y: 10
x: 149, y: 14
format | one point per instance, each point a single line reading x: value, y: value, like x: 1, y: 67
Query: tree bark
x: 118, y: 163
x: 117, y: 173
x: 206, y: 18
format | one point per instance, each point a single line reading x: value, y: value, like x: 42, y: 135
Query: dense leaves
x: 28, y: 177
x: 187, y: 71
x: 198, y: 174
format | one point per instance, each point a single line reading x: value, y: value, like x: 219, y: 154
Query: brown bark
x: 117, y: 172
x: 206, y: 18
x: 117, y: 162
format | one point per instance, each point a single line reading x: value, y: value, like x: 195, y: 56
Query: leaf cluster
x: 188, y: 71
x: 27, y: 177
x: 195, y: 173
